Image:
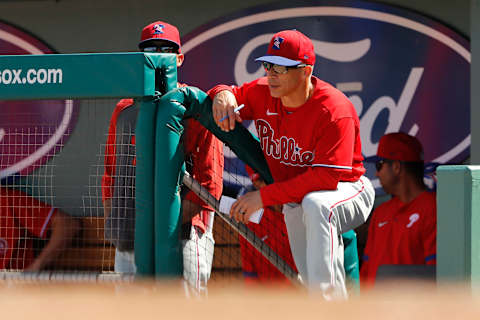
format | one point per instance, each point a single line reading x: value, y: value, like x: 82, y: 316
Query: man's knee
x: 314, y: 207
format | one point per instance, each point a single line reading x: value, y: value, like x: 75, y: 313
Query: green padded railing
x: 458, y: 224
x: 88, y: 75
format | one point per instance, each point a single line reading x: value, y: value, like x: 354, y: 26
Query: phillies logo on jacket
x: 284, y: 149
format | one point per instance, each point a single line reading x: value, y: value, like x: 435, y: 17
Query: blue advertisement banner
x: 402, y: 71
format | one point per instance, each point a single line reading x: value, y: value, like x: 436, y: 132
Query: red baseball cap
x: 160, y: 30
x: 400, y: 146
x: 289, y: 48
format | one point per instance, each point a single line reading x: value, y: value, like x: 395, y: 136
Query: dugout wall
x: 458, y: 225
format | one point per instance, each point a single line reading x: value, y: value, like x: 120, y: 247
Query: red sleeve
x: 213, y: 92
x: 32, y: 214
x: 110, y: 151
x: 243, y: 94
x: 430, y: 236
x: 207, y: 156
x: 330, y: 160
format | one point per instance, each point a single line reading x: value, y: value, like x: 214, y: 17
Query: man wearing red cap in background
x: 402, y: 230
x: 205, y: 153
x: 310, y: 136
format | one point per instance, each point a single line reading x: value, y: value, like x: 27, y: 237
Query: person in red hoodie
x: 402, y: 230
x: 204, y: 154
x: 24, y: 218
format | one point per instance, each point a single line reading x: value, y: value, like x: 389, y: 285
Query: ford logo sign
x: 402, y: 71
x: 30, y: 131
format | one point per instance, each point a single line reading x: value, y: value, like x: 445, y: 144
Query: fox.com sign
x: 402, y: 71
x: 31, y: 132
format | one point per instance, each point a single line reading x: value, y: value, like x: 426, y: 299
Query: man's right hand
x: 223, y: 105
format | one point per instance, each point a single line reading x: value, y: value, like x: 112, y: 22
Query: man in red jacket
x: 402, y: 230
x: 205, y: 161
x: 310, y: 136
x: 23, y: 218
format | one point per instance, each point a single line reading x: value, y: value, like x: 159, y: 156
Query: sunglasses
x: 379, y: 164
x: 162, y: 49
x: 280, y: 69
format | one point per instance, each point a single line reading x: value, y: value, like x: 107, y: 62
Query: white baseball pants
x: 198, y: 256
x: 315, y: 233
x: 125, y: 262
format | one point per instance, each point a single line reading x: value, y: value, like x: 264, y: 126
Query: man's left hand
x: 246, y: 205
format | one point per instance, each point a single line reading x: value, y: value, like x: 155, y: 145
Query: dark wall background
x: 109, y: 25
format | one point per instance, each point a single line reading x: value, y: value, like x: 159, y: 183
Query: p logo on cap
x: 158, y: 28
x: 277, y: 41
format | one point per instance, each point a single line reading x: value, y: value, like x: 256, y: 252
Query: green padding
x: 351, y: 263
x: 144, y: 188
x: 169, y: 159
x: 245, y: 145
x: 145, y: 235
x: 92, y: 75
x: 458, y: 225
